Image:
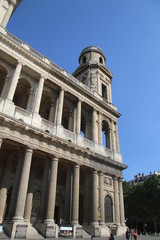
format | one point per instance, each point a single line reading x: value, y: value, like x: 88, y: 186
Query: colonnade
x: 97, y: 119
x: 21, y: 204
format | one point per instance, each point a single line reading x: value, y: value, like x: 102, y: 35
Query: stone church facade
x: 59, y: 145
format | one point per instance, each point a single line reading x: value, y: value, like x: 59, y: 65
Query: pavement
x: 150, y: 237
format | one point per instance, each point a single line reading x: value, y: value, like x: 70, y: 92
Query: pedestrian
x: 127, y: 234
x: 92, y: 236
x: 135, y: 234
x: 111, y: 237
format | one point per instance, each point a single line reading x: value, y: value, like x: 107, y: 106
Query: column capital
x: 42, y: 76
x: 20, y: 63
x: 120, y: 179
x: 55, y: 158
x: 101, y: 174
x: 115, y: 178
x: 29, y: 149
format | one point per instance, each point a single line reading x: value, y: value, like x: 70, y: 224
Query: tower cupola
x: 93, y: 72
x: 92, y: 54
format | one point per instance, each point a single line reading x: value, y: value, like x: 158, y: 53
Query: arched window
x: 105, y: 134
x: 84, y: 59
x: 108, y: 209
x: 100, y: 60
x: 45, y: 105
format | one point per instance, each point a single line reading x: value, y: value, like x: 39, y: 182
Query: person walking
x: 111, y: 237
x: 127, y: 234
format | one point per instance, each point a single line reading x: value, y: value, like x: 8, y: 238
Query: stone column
x: 116, y: 201
x: 75, y: 194
x: 14, y: 82
x: 8, y: 13
x: 110, y: 139
x: 30, y: 101
x: 23, y: 185
x: 5, y: 87
x: 52, y: 191
x: 68, y: 195
x: 15, y: 186
x: 117, y: 139
x: 60, y: 107
x: 113, y: 136
x: 94, y: 198
x: 110, y: 93
x: 94, y: 129
x: 45, y: 183
x: 78, y: 120
x: 70, y: 121
x: 29, y: 198
x: 86, y: 201
x: 122, y: 218
x: 39, y: 95
x: 100, y: 128
x: 3, y: 188
x: 101, y: 198
x: 52, y: 112
x: 1, y: 141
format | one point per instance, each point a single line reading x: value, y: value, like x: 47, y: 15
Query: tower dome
x: 92, y: 54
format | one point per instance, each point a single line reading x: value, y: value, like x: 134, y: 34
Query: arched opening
x: 3, y: 75
x: 100, y: 60
x: 84, y: 59
x: 105, y: 134
x: 45, y: 105
x: 66, y: 116
x: 108, y: 209
x: 22, y: 93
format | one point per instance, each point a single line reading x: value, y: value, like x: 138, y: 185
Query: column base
x: 121, y: 230
x: 105, y: 232
x: 16, y: 229
x: 77, y: 231
x: 48, y: 229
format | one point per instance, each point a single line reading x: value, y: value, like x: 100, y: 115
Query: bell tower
x: 7, y: 7
x: 93, y: 72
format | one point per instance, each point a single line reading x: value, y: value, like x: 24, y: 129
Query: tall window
x: 105, y: 135
x: 84, y: 59
x: 108, y: 209
x: 101, y: 60
x: 104, y: 92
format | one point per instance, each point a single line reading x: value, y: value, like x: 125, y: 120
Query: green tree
x: 141, y: 202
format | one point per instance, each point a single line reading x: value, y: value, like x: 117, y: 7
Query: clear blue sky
x: 128, y: 32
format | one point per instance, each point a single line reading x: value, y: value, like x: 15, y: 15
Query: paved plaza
x: 150, y: 237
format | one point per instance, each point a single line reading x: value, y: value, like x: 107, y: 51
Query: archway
x: 22, y: 93
x: 45, y: 105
